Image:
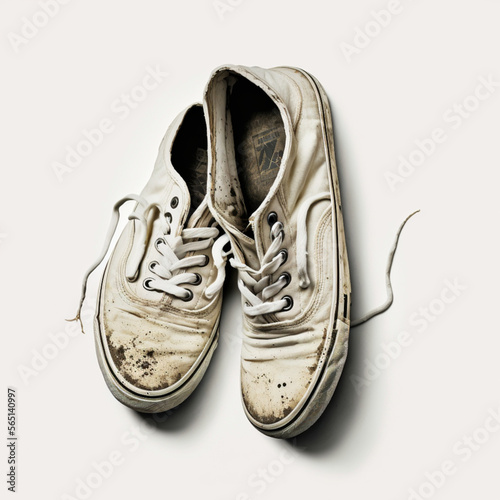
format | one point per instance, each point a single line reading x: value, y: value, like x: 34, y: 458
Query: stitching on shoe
x: 298, y: 96
x: 133, y: 300
x: 315, y: 301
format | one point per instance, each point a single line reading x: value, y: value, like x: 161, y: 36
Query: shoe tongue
x: 246, y: 249
x: 193, y: 217
x: 249, y: 245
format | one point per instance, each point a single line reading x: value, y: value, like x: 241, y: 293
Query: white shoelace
x: 171, y: 251
x: 255, y: 285
x: 388, y: 285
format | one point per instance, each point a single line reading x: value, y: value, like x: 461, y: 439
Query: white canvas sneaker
x: 274, y: 189
x: 159, y: 302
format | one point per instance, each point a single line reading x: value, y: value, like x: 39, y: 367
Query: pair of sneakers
x: 251, y: 173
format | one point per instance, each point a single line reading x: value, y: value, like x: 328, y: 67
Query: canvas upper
x: 159, y: 302
x: 288, y: 244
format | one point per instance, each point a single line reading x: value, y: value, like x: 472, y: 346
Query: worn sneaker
x: 159, y: 302
x: 274, y: 189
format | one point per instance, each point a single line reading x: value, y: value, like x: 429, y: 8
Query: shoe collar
x: 215, y: 106
x: 166, y: 183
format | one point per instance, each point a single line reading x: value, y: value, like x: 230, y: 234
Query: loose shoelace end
x: 79, y: 319
x: 390, y: 295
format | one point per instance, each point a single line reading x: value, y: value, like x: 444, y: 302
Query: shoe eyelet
x: 188, y: 297
x: 168, y: 216
x: 198, y: 279
x: 272, y: 218
x: 152, y: 265
x: 286, y: 277
x: 289, y: 301
x: 174, y: 202
x: 285, y: 255
x: 147, y: 284
x: 207, y: 260
x: 159, y: 241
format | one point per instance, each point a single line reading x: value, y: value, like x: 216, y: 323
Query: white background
x: 375, y: 442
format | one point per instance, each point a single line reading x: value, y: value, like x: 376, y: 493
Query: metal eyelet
x: 198, y: 279
x: 152, y: 265
x: 188, y: 297
x: 286, y: 277
x: 289, y: 301
x: 207, y: 260
x: 174, y: 202
x: 159, y: 241
x: 147, y: 284
x: 285, y: 255
x: 272, y: 218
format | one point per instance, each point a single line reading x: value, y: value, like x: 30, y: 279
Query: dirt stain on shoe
x: 118, y: 355
x: 269, y: 418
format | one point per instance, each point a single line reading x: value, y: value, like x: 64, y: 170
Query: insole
x: 259, y: 139
x: 189, y: 155
x: 196, y: 177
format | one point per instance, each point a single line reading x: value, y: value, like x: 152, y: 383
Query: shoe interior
x: 189, y: 155
x: 259, y: 140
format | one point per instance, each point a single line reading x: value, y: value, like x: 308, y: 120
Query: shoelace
x: 388, y: 284
x: 171, y: 251
x: 264, y: 290
x: 255, y: 285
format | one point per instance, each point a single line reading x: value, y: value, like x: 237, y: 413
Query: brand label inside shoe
x: 268, y: 155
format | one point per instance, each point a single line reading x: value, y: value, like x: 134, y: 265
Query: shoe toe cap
x: 274, y: 390
x: 148, y: 356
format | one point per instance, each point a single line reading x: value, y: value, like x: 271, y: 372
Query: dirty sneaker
x: 159, y: 301
x: 273, y: 187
